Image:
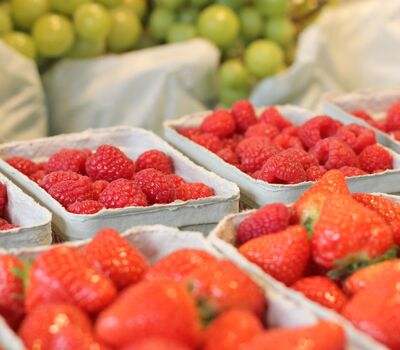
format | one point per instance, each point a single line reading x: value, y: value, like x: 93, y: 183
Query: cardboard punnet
x: 33, y: 219
x: 375, y: 102
x: 158, y: 241
x: 256, y: 192
x: 199, y: 214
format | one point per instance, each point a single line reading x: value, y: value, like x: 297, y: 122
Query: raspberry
x: 3, y: 199
x: 291, y: 130
x: 109, y: 163
x: 256, y: 174
x: 209, y: 141
x: 68, y: 160
x: 356, y: 136
x: 71, y: 191
x: 262, y: 129
x: 381, y: 125
x: 41, y: 165
x: 307, y: 160
x: 272, y: 116
x: 5, y: 225
x: 375, y: 157
x: 189, y: 132
x: 269, y: 219
x: 56, y: 177
x: 362, y: 115
x: 393, y: 117
x: 333, y: 153
x: 38, y: 175
x: 219, y: 123
x: 286, y: 141
x: 155, y: 159
x: 253, y: 152
x: 190, y: 191
x: 396, y: 135
x: 283, y: 169
x: 175, y: 180
x: 316, y: 129
x: 232, y: 142
x: 155, y: 186
x: 350, y: 171
x: 315, y: 172
x: 23, y: 165
x: 244, y: 115
x: 85, y: 207
x: 123, y: 193
x: 228, y: 155
x: 98, y: 187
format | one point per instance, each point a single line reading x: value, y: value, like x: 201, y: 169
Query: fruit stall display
x: 256, y: 39
x: 337, y: 248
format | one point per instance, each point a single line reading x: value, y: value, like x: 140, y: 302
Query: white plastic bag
x: 140, y: 88
x: 23, y: 112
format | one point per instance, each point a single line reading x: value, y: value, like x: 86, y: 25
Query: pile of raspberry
x: 85, y: 182
x: 272, y: 149
x: 5, y: 223
x: 390, y: 124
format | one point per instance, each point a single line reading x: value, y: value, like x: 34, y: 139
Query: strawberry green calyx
x: 207, y: 311
x: 310, y: 221
x: 23, y: 273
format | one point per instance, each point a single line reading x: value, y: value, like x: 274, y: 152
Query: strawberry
x: 269, y: 219
x: 222, y: 286
x: 321, y: 336
x: 386, y: 208
x: 62, y: 274
x: 11, y: 290
x: 155, y: 343
x: 347, y: 230
x: 322, y: 290
x: 283, y: 255
x: 231, y: 329
x: 116, y: 258
x: 150, y: 309
x: 178, y: 265
x: 42, y: 325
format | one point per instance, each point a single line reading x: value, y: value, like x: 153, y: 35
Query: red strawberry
x: 58, y: 176
x: 315, y: 172
x: 155, y: 186
x: 122, y: 193
x: 272, y: 116
x: 67, y: 160
x: 150, y: 309
x: 393, y: 117
x: 11, y: 290
x: 349, y: 171
x: 375, y: 158
x: 190, y: 191
x: 283, y: 255
x: 321, y: 336
x: 263, y: 130
x: 345, y: 229
x: 109, y: 163
x: 62, y: 275
x: 244, y: 115
x: 178, y: 265
x: 286, y: 141
x: 209, y: 141
x: 23, y: 165
x: 223, y: 286
x: 42, y: 325
x: 88, y: 206
x: 322, y: 290
x: 3, y: 199
x: 231, y: 330
x: 98, y: 187
x: 220, y: 123
x: 269, y: 219
x: 71, y: 191
x: 116, y: 258
x: 155, y: 159
x: 356, y: 136
x: 155, y: 343
x: 317, y: 129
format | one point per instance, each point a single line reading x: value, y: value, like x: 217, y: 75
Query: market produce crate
x: 256, y: 192
x: 199, y: 214
x: 33, y: 220
x: 157, y: 241
x: 374, y: 102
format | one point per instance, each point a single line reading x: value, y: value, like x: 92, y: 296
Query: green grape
x: 26, y: 12
x: 263, y: 58
x: 199, y: 3
x: 83, y: 48
x: 6, y: 24
x: 92, y: 21
x: 188, y: 15
x: 126, y: 29
x: 251, y: 23
x: 181, y: 32
x: 137, y: 6
x: 6, y: 7
x: 110, y: 3
x: 235, y: 49
x: 21, y: 42
x: 161, y: 20
x: 272, y: 7
x: 280, y: 29
x: 228, y: 96
x: 219, y: 24
x: 53, y: 35
x: 66, y: 7
x: 170, y: 4
x: 233, y: 74
x: 233, y: 4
